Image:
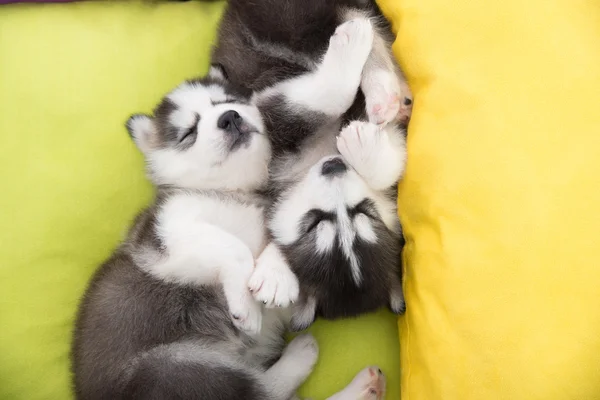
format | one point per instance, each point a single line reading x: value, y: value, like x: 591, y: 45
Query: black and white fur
x: 339, y: 232
x: 169, y: 315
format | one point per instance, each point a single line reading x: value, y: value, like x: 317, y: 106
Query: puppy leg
x: 304, y: 313
x: 332, y: 87
x: 386, y: 91
x: 291, y: 370
x: 378, y: 154
x: 200, y: 253
x: 273, y: 282
x: 191, y: 371
x: 368, y: 384
x: 397, y: 303
x: 388, y: 97
x: 387, y: 94
x: 246, y: 313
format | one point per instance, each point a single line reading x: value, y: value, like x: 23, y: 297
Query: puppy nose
x: 230, y: 121
x: 334, y: 166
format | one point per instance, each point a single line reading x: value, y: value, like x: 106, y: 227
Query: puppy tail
x: 180, y: 371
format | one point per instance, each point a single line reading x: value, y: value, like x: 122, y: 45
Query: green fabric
x: 70, y: 75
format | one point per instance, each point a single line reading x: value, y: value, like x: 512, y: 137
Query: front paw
x: 247, y: 315
x: 377, y: 154
x: 273, y: 283
x: 360, y: 143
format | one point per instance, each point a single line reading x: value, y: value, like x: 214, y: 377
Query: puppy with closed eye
x: 338, y: 152
x: 169, y: 314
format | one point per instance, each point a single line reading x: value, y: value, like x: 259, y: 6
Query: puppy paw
x: 273, y: 283
x: 387, y: 97
x: 373, y: 153
x: 398, y: 305
x: 303, y: 315
x: 246, y: 315
x: 351, y: 43
x: 304, y: 351
x: 406, y: 104
x: 397, y: 302
x: 368, y: 384
x: 360, y: 143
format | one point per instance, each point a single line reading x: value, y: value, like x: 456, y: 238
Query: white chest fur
x: 243, y: 220
x: 208, y: 238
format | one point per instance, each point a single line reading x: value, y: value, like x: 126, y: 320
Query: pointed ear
x: 142, y: 130
x: 217, y: 71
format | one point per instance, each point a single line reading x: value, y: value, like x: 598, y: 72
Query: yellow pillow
x: 501, y: 199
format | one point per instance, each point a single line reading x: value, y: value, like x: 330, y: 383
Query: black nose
x: 333, y: 167
x: 230, y: 121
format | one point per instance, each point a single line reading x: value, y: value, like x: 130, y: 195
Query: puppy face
x: 333, y: 220
x: 206, y: 135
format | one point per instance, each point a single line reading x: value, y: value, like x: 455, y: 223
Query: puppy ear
x: 142, y: 130
x: 217, y: 71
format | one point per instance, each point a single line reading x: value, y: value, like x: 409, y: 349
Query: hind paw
x: 304, y: 350
x: 351, y: 43
x: 387, y: 97
x: 368, y: 384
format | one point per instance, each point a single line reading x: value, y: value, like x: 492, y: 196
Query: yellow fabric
x: 501, y: 199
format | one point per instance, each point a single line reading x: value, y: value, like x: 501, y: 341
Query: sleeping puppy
x: 263, y: 42
x: 169, y: 314
x: 337, y: 155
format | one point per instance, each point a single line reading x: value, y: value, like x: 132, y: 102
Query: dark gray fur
x: 138, y: 337
x: 264, y: 42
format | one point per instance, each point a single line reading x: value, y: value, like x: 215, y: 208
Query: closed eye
x: 228, y: 100
x: 314, y: 217
x: 366, y: 208
x: 366, y: 214
x: 313, y: 224
x: 191, y: 131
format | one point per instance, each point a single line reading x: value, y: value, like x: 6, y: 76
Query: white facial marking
x: 182, y: 118
x: 346, y: 236
x: 194, y: 96
x: 325, y: 236
x: 362, y: 224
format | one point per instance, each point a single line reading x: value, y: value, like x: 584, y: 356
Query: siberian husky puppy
x: 338, y: 152
x: 169, y: 314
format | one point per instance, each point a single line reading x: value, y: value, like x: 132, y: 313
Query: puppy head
x: 204, y: 135
x: 331, y: 225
